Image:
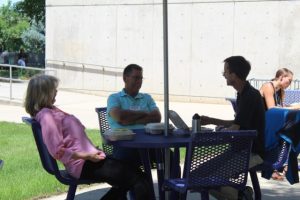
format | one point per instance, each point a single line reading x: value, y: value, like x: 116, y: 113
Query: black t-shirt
x: 250, y: 115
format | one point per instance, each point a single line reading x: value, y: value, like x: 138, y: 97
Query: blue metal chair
x: 275, y: 160
x: 233, y: 103
x: 213, y: 160
x: 108, y: 149
x: 50, y: 164
x: 103, y: 126
x: 291, y: 96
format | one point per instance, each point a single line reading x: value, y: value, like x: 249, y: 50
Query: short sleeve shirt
x: 142, y: 102
x: 250, y: 115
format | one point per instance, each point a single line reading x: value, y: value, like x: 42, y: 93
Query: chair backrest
x: 103, y: 126
x: 48, y: 162
x: 219, y: 158
x: 233, y: 103
x: 291, y: 96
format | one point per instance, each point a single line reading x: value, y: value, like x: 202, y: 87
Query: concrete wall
x: 90, y: 42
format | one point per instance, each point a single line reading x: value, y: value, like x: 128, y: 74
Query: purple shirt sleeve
x: 52, y: 136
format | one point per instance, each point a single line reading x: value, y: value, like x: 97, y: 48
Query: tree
x: 34, y: 9
x: 12, y: 25
x: 34, y: 37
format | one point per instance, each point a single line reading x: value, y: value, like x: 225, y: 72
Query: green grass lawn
x: 22, y: 176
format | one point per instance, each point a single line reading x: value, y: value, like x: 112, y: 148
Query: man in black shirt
x: 250, y: 114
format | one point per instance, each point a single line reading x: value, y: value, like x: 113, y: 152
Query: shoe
x: 1, y: 164
x: 246, y: 194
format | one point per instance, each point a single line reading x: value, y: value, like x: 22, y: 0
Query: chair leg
x: 71, y: 192
x: 131, y: 195
x: 255, y: 184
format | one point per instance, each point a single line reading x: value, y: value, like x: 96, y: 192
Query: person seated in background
x: 250, y: 115
x: 22, y: 58
x: 132, y: 110
x: 273, y: 95
x: 273, y: 91
x: 66, y: 140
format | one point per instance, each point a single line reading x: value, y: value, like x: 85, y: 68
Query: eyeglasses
x: 136, y: 78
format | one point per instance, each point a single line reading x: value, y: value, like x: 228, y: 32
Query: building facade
x: 90, y: 42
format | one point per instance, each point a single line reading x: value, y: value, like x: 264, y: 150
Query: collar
x: 246, y: 88
x: 124, y: 94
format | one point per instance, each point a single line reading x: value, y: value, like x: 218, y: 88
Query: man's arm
x: 205, y: 120
x: 151, y: 117
x: 127, y: 117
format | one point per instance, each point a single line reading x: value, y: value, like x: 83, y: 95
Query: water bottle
x: 196, y: 125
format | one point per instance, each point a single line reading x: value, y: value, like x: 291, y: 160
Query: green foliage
x: 22, y: 176
x: 34, y: 37
x: 34, y: 9
x: 12, y: 25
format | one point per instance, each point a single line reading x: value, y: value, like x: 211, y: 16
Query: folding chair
x: 50, y: 164
x: 213, y: 160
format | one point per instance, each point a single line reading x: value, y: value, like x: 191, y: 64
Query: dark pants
x: 131, y: 156
x: 120, y: 175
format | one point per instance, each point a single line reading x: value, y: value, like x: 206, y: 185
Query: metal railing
x: 87, y: 67
x: 21, y: 69
x: 257, y: 83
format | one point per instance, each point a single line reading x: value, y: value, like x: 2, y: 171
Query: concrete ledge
x: 158, y: 97
x: 13, y: 102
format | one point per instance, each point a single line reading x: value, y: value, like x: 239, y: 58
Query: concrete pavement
x: 83, y: 105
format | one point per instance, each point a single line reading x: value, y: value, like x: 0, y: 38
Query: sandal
x: 277, y: 176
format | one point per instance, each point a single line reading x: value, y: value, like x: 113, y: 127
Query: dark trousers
x: 119, y: 175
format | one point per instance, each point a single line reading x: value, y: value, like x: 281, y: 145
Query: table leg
x: 175, y: 171
x: 160, y: 172
x: 145, y: 158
